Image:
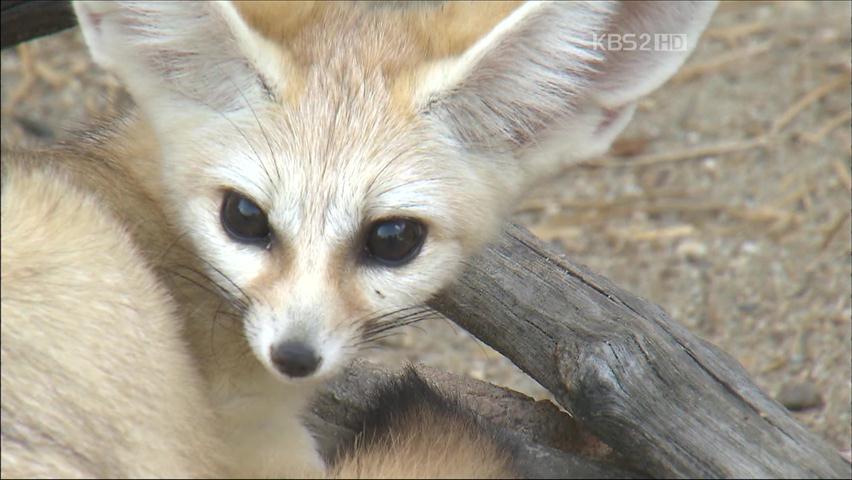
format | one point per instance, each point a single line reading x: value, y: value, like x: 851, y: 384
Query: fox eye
x: 243, y: 220
x: 395, y: 241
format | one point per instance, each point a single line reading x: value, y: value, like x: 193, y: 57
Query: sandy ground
x: 726, y: 201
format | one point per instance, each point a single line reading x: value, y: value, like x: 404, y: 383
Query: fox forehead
x: 340, y: 144
x: 326, y: 167
x: 322, y: 175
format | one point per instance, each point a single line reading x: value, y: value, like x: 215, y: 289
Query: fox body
x: 93, y: 357
x: 304, y: 175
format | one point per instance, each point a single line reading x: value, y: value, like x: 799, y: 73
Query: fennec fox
x: 331, y: 165
x: 96, y: 379
x: 97, y: 382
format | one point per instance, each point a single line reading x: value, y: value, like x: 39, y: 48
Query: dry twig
x: 843, y: 174
x: 720, y: 61
x: 809, y: 98
x: 730, y: 35
x: 651, y: 235
x: 819, y: 134
x: 831, y: 232
x: 701, y: 151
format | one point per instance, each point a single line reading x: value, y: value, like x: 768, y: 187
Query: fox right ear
x: 556, y: 81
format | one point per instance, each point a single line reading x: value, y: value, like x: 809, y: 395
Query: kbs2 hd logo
x: 643, y: 42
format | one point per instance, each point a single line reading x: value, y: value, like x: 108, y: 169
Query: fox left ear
x: 557, y: 81
x: 171, y: 52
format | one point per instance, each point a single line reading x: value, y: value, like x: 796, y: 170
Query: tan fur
x: 437, y: 29
x: 96, y: 379
x: 428, y: 445
x: 414, y: 34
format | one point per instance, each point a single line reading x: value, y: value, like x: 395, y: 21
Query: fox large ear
x: 555, y: 82
x: 178, y: 51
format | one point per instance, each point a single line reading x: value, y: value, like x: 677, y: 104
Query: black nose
x: 294, y: 359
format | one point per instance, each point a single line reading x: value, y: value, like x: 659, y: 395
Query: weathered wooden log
x: 545, y: 442
x: 671, y: 403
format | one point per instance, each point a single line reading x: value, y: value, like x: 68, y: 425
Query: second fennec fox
x: 96, y: 378
x: 413, y: 431
x: 329, y: 166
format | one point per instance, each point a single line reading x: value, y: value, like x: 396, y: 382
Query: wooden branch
x: 24, y: 20
x: 671, y: 403
x: 546, y: 443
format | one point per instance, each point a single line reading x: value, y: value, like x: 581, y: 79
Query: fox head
x: 338, y: 162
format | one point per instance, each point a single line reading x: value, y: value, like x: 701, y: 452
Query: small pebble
x: 710, y: 164
x: 693, y: 137
x: 798, y: 396
x: 691, y: 250
x: 477, y: 373
x: 750, y: 247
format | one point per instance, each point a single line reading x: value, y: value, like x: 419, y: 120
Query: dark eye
x: 395, y: 241
x: 243, y: 220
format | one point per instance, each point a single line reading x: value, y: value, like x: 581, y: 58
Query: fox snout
x: 294, y: 358
x: 307, y: 342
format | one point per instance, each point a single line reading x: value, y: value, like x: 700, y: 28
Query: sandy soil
x: 727, y: 200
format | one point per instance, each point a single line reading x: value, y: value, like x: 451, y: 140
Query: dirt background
x: 726, y: 201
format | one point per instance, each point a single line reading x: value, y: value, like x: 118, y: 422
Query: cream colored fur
x: 330, y: 116
x: 440, y: 450
x: 96, y: 379
x: 429, y: 448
